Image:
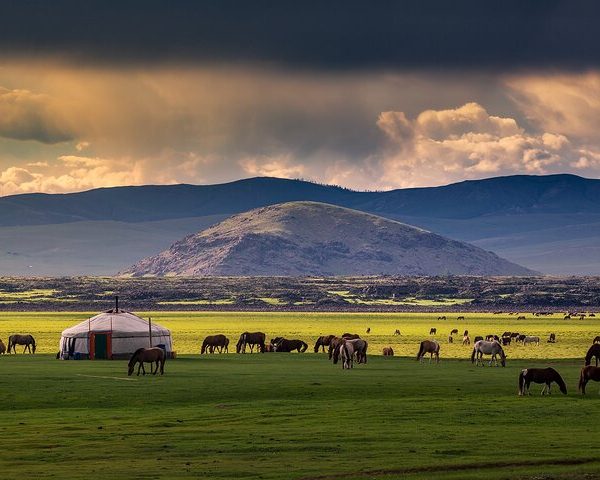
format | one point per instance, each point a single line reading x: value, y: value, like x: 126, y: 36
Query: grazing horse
x: 450, y: 339
x: 360, y: 347
x: 588, y: 373
x: 154, y: 355
x: 596, y: 339
x: 323, y: 342
x: 442, y: 317
x: 429, y: 346
x: 506, y: 341
x: 522, y: 317
x: 528, y: 340
x: 281, y: 344
x: 369, y: 330
x: 397, y: 332
x: 432, y: 331
x: 256, y: 339
x: 520, y: 338
x: 26, y: 340
x: 552, y: 338
x: 455, y: 331
x: 506, y: 334
x: 483, y: 347
x: 593, y: 352
x: 388, y: 352
x: 477, y: 338
x: 333, y: 346
x: 466, y: 340
x: 491, y: 338
x: 2, y: 347
x: 514, y: 335
x: 460, y: 318
x: 466, y: 333
x: 540, y: 375
x: 214, y: 342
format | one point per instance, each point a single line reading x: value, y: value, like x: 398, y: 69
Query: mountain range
x: 547, y: 223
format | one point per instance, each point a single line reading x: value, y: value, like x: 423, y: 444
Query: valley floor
x: 287, y: 416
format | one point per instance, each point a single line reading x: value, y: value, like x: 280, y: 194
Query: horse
x: 350, y: 336
x: 588, y: 373
x: 460, y: 318
x: 397, y: 332
x: 429, y: 346
x: 369, y: 330
x: 255, y: 339
x: 442, y: 317
x: 346, y: 352
x: 477, y: 338
x: 466, y: 333
x: 432, y: 331
x: 333, y: 346
x: 596, y: 339
x: 494, y: 349
x: 26, y: 340
x: 540, y: 375
x: 522, y: 317
x: 2, y: 347
x: 514, y: 335
x: 360, y: 349
x: 593, y: 351
x: 506, y: 334
x: 388, y: 352
x: 506, y: 341
x: 528, y: 340
x: 450, y: 339
x: 154, y: 355
x: 552, y: 338
x: 491, y: 338
x: 455, y: 331
x: 284, y: 345
x: 466, y: 340
x: 521, y: 338
x: 323, y: 342
x: 214, y: 342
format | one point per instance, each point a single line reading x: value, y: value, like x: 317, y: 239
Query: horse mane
x: 559, y: 380
x: 135, y: 354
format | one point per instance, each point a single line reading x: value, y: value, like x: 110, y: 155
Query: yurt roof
x: 117, y: 321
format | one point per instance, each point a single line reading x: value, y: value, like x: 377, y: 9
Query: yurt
x: 115, y: 334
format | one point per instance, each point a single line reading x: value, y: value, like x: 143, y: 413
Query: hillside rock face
x: 310, y: 238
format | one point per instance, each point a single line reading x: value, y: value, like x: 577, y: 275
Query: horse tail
x: 521, y: 382
x: 582, y: 381
x: 473, y: 355
x: 421, y: 350
x: 32, y: 343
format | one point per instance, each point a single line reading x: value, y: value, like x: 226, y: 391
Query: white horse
x: 528, y: 339
x: 360, y: 349
x: 347, y: 354
x: 493, y: 348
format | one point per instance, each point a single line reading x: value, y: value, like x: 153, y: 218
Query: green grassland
x: 291, y: 416
x: 189, y: 328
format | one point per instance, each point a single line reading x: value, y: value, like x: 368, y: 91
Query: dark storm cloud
x: 346, y: 34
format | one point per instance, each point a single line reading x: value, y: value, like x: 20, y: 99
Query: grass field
x: 290, y: 416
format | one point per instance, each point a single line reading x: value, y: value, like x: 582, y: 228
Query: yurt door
x: 100, y: 344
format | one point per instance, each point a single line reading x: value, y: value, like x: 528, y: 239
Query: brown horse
x: 593, y: 352
x: 256, y: 339
x: 215, y: 342
x: 26, y: 340
x: 2, y: 347
x: 154, y: 355
x: 388, y: 352
x: 431, y: 347
x: 540, y: 375
x: 323, y: 342
x: 350, y: 336
x: 588, y: 373
x: 333, y: 346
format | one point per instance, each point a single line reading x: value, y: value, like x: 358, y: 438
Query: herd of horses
x: 350, y: 348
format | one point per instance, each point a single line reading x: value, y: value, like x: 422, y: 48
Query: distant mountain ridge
x: 547, y: 223
x: 501, y: 195
x: 312, y: 238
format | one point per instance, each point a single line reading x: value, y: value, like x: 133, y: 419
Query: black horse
x: 281, y: 344
x: 540, y: 375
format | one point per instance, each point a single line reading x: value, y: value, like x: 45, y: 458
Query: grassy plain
x: 290, y: 416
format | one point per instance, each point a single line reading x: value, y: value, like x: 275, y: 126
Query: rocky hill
x: 311, y: 238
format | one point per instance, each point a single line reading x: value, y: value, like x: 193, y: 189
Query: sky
x: 367, y: 95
